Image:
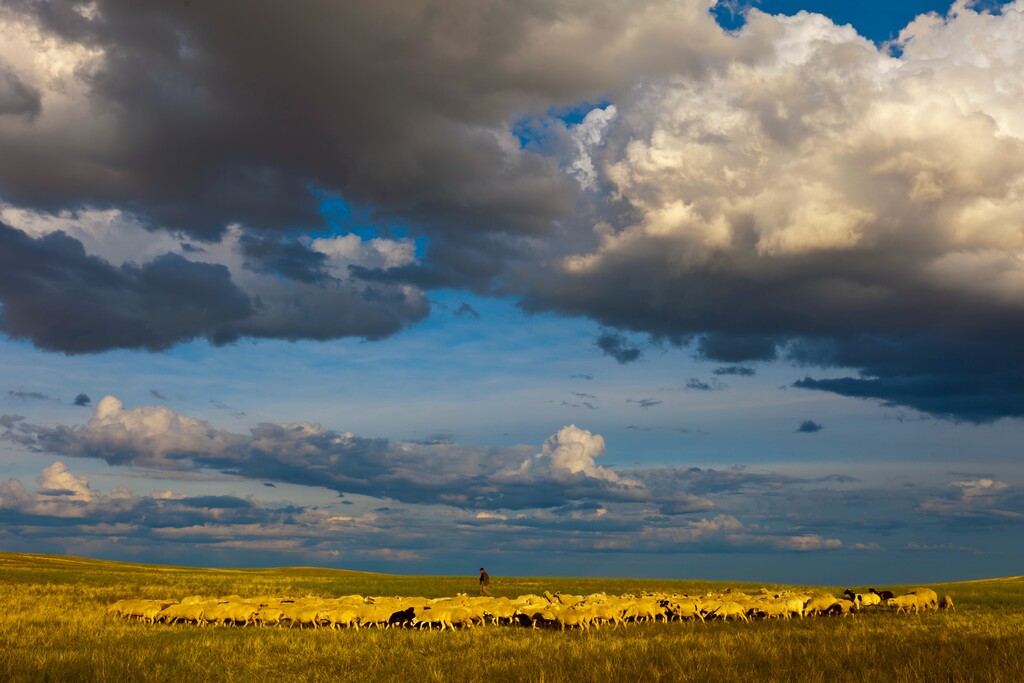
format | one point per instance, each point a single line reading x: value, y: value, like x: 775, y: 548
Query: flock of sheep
x: 548, y: 610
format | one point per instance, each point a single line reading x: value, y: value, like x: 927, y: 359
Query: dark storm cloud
x: 63, y: 299
x: 390, y: 104
x: 189, y: 120
x: 82, y: 400
x: 962, y: 376
x: 616, y: 345
x: 736, y: 348
x: 962, y: 364
x: 889, y: 265
x: 809, y: 427
x: 17, y: 98
x: 851, y: 227
x: 288, y: 259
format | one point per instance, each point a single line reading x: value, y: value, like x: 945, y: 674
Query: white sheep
x: 609, y: 611
x: 863, y: 599
x: 930, y: 599
x: 730, y: 609
x: 190, y: 612
x: 433, y: 615
x: 573, y: 617
x: 303, y: 615
x: 842, y: 606
x: 818, y: 604
x: 795, y: 606
x: 343, y: 616
x: 905, y: 603
x: 269, y: 615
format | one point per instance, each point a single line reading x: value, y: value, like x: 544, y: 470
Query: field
x: 54, y: 627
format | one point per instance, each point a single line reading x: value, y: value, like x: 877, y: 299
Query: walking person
x: 485, y: 581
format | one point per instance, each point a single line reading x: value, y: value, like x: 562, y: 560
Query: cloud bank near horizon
x: 404, y: 496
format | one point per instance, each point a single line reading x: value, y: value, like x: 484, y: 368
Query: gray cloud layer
x: 64, y: 299
x: 412, y: 502
x: 306, y: 454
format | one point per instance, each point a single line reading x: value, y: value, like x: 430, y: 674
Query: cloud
x: 261, y: 133
x: 617, y: 346
x: 809, y: 427
x: 785, y: 191
x: 467, y: 311
x: 168, y: 300
x: 17, y: 98
x: 700, y: 385
x: 569, y: 453
x: 437, y: 439
x: 148, y: 436
x: 287, y: 259
x: 819, y: 200
x: 28, y: 395
x: 645, y: 402
x: 979, y: 501
x: 439, y: 472
x: 82, y: 400
x: 684, y: 504
x: 404, y: 496
x: 801, y: 543
x: 9, y: 421
x: 736, y: 370
x: 171, y: 299
x: 65, y: 512
x: 57, y: 480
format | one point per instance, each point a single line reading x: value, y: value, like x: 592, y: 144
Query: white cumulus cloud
x: 57, y: 480
x: 572, y: 452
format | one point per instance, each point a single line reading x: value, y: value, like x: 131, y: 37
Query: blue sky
x: 628, y: 294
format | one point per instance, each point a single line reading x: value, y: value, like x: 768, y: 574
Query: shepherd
x: 485, y: 581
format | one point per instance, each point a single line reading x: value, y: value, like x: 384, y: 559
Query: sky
x: 645, y: 288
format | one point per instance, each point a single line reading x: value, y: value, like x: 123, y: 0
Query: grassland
x: 54, y: 627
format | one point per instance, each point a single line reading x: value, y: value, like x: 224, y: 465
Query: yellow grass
x: 54, y: 626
